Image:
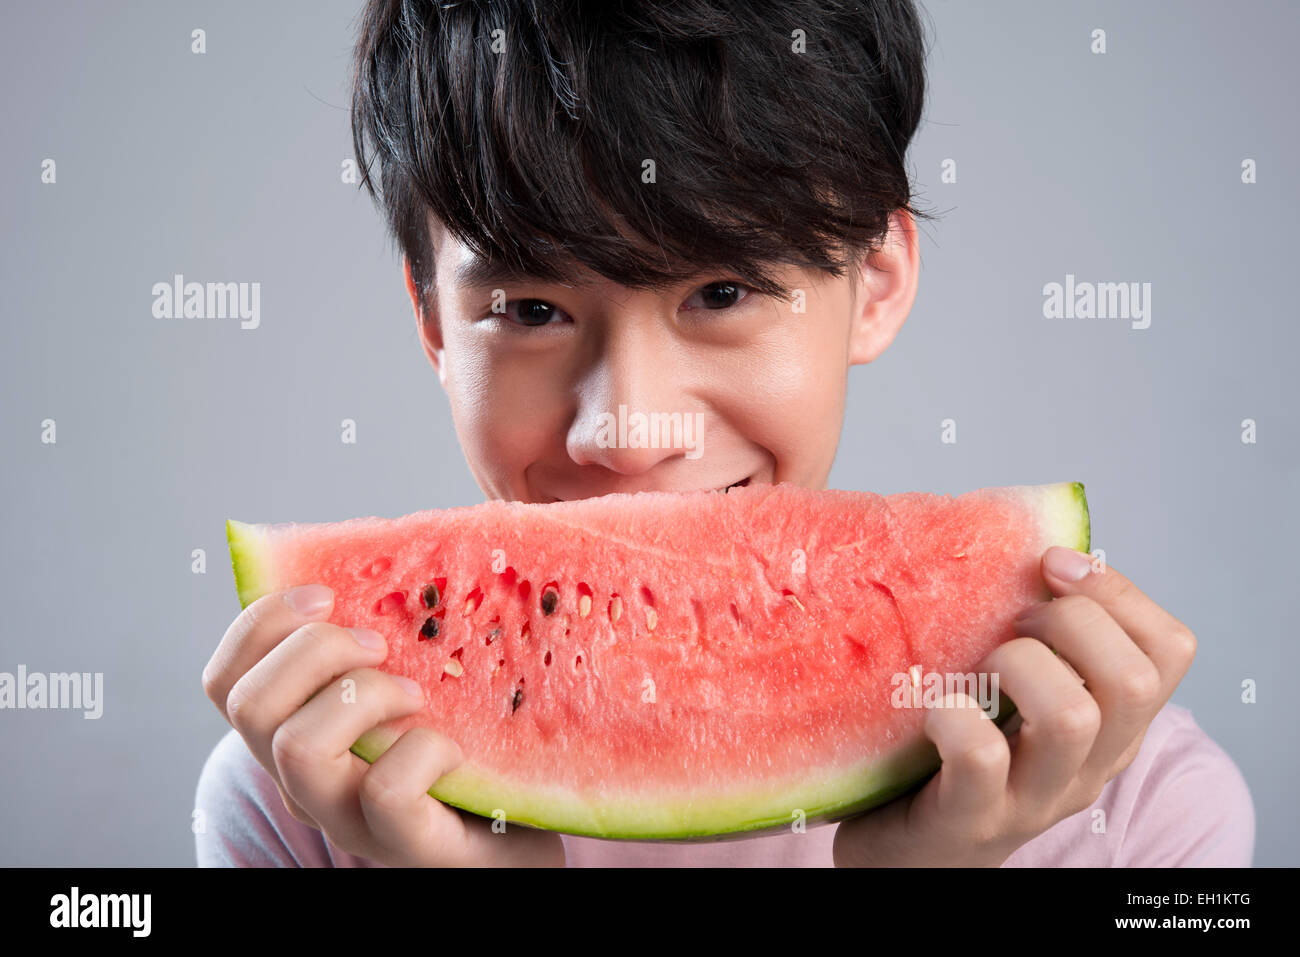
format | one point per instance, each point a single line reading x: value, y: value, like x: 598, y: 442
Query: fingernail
x: 309, y: 599
x: 409, y: 686
x: 367, y: 638
x: 1067, y: 564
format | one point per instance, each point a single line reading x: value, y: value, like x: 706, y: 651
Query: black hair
x: 523, y: 126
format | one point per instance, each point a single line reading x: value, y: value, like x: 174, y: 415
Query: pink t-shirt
x: 1181, y: 803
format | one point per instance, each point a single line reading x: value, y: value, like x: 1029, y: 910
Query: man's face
x: 573, y: 390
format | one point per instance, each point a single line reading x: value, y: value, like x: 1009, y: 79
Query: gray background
x: 225, y: 167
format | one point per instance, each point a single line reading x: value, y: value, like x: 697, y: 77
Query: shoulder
x: 1181, y: 803
x: 1190, y: 806
x: 240, y: 820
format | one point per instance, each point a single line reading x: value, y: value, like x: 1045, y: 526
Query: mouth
x: 723, y: 489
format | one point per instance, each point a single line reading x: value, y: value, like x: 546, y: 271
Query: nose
x: 632, y: 395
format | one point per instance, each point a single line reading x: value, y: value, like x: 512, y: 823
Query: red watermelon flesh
x: 678, y: 666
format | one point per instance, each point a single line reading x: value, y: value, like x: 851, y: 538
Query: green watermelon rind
x: 732, y: 818
x: 1065, y: 521
x: 247, y: 560
x: 1066, y: 518
x: 1079, y: 505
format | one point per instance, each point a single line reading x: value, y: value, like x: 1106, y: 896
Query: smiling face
x: 549, y: 382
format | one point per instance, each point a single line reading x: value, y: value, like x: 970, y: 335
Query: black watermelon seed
x: 518, y: 699
x: 550, y: 598
x: 429, y: 629
x: 430, y: 595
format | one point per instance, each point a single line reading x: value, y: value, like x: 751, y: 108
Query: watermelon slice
x: 678, y: 666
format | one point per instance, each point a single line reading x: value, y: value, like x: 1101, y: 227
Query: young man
x: 697, y: 207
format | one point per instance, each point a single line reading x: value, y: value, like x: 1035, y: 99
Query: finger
x: 1162, y: 637
x: 416, y: 829
x: 294, y: 670
x: 1060, y: 720
x: 296, y: 811
x: 972, y: 781
x: 1120, y: 677
x: 258, y: 629
x: 881, y: 834
x: 311, y: 748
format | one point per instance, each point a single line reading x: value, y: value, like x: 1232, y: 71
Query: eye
x: 531, y: 312
x: 718, y: 295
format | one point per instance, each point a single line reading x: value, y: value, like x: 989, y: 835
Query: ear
x: 426, y: 322
x: 886, y: 290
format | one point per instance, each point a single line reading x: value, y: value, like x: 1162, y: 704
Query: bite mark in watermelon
x: 678, y: 666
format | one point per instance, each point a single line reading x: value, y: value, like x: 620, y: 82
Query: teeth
x: 741, y: 484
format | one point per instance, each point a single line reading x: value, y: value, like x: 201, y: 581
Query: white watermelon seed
x: 390, y: 603
x: 377, y: 567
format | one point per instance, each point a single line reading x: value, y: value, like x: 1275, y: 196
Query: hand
x: 277, y: 678
x: 1080, y: 726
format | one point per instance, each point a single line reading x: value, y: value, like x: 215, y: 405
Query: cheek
x: 506, y: 412
x: 788, y: 396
